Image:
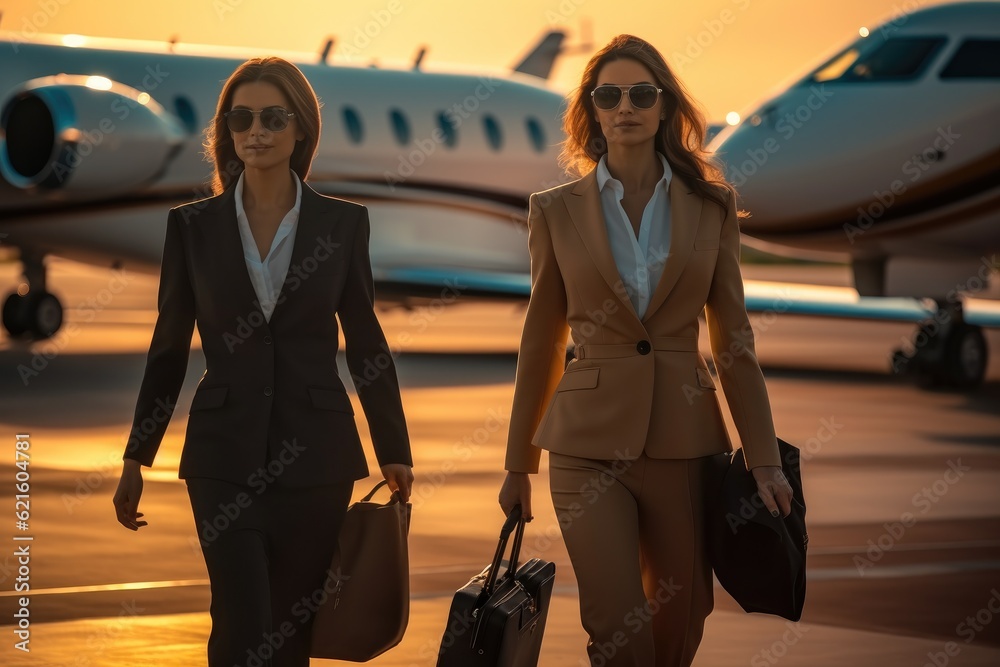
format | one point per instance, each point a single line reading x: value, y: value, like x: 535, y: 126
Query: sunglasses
x: 272, y: 119
x: 641, y: 95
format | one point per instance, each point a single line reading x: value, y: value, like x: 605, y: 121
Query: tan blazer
x: 636, y: 384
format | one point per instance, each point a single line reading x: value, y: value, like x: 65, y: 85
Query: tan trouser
x: 635, y: 534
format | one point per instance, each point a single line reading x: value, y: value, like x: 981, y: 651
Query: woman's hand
x: 516, y: 490
x: 127, y: 496
x: 400, y: 478
x: 774, y: 489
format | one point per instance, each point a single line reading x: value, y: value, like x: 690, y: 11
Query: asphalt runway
x: 902, y: 486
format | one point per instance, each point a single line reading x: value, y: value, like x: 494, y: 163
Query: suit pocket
x: 705, y: 380
x: 585, y: 378
x: 326, y: 398
x: 706, y: 244
x: 209, y: 398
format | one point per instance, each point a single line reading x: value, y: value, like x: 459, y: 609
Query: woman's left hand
x: 400, y: 478
x: 774, y: 489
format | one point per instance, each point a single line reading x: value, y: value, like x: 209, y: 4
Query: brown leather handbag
x: 368, y: 603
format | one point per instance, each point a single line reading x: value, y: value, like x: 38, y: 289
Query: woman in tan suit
x: 625, y: 259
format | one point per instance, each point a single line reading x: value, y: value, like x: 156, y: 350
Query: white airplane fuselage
x: 444, y: 161
x: 900, y: 172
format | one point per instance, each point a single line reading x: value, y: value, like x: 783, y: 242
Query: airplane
x: 448, y: 187
x: 887, y: 152
x: 99, y: 137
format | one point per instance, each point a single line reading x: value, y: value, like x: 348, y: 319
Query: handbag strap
x: 515, y: 524
x: 371, y: 494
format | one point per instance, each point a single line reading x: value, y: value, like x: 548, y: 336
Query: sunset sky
x: 728, y: 52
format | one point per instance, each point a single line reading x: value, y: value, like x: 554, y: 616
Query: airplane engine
x: 85, y: 136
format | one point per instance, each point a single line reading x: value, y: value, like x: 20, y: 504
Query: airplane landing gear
x: 947, y: 351
x: 37, y: 313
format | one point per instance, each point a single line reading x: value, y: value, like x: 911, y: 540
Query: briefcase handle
x: 395, y: 494
x: 515, y: 524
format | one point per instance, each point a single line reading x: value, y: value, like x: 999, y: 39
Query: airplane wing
x: 761, y: 296
x: 844, y: 302
x: 451, y: 283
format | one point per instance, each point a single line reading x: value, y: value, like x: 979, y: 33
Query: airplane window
x: 975, y: 59
x: 446, y: 123
x: 896, y: 59
x: 493, y: 134
x: 352, y: 121
x: 400, y: 126
x: 537, y: 134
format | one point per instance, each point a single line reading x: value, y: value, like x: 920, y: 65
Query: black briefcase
x: 498, y: 621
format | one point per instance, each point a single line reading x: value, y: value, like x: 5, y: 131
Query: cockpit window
x: 896, y: 59
x: 974, y: 59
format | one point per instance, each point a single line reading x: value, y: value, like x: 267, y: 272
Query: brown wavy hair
x: 680, y: 137
x: 290, y: 80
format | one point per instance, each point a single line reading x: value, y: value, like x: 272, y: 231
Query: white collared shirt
x: 268, y: 274
x: 639, y: 260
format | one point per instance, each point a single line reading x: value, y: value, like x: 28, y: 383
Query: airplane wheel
x: 38, y: 313
x: 965, y: 356
x: 14, y: 310
x: 46, y: 314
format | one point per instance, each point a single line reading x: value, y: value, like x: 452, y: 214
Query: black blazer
x: 272, y: 390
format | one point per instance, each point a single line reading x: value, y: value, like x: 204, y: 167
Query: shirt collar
x: 604, y: 176
x: 238, y: 195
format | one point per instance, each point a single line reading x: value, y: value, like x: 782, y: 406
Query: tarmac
x: 902, y: 486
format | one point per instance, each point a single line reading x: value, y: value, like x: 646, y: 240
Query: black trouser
x: 267, y: 555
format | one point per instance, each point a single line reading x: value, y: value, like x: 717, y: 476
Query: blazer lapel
x: 308, y: 229
x: 232, y: 260
x: 685, y: 216
x: 586, y: 212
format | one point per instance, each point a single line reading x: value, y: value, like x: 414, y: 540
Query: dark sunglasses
x: 641, y: 95
x: 272, y: 119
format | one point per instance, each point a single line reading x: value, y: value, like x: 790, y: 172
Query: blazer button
x: 268, y: 391
x: 643, y: 347
x: 267, y: 340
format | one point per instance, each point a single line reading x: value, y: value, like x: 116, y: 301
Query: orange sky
x: 737, y: 50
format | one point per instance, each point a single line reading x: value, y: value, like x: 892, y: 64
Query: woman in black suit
x: 271, y: 450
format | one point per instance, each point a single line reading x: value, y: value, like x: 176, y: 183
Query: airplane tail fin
x: 542, y: 57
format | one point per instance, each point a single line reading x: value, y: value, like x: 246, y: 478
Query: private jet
x: 99, y: 137
x: 888, y: 153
